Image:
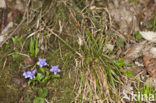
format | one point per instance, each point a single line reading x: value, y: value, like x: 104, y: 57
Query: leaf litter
x: 131, y: 18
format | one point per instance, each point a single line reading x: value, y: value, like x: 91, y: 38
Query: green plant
x: 39, y: 100
x: 138, y: 36
x: 14, y: 39
x: 129, y: 73
x: 15, y: 55
x: 95, y: 60
x: 92, y: 51
x: 146, y: 93
x: 120, y: 62
x: 33, y: 48
x: 120, y: 42
x: 43, y: 74
x: 42, y: 93
x: 42, y: 77
x: 6, y: 47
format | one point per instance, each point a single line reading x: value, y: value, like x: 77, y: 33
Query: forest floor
x: 105, y: 49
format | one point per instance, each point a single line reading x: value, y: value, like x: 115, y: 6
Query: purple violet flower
x: 33, y: 72
x: 29, y: 74
x: 41, y: 62
x: 55, y: 69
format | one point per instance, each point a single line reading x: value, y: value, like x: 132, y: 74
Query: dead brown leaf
x: 147, y: 60
x: 29, y: 61
x: 150, y: 65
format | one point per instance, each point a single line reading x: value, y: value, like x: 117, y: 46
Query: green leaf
x: 15, y: 55
x: 129, y: 73
x: 121, y: 60
x: 42, y: 70
x: 20, y: 40
x: 7, y: 47
x: 56, y: 76
x: 36, y: 48
x: 38, y: 100
x: 43, y: 92
x: 31, y: 48
x: 14, y: 39
x: 47, y: 73
x: 138, y: 36
x: 154, y: 22
x: 45, y: 79
x: 39, y: 76
x: 29, y: 82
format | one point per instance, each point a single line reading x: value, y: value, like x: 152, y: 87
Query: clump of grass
x: 102, y: 76
x: 33, y: 48
x: 145, y: 93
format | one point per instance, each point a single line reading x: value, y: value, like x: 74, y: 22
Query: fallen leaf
x: 147, y: 60
x: 149, y: 35
x: 151, y: 69
x: 110, y: 47
x: 150, y: 65
x: 4, y: 33
x: 29, y: 61
x: 135, y: 51
x: 124, y: 14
